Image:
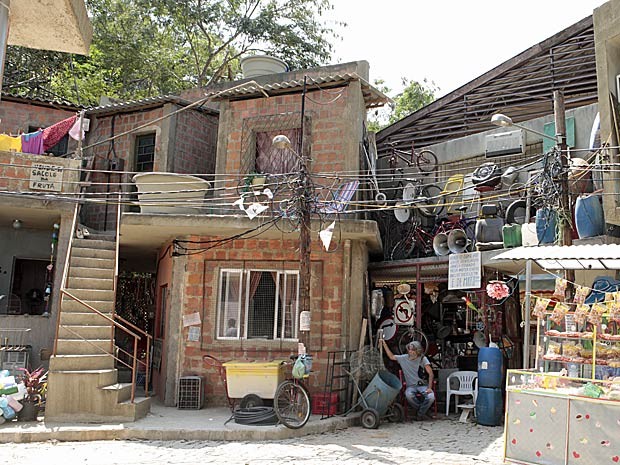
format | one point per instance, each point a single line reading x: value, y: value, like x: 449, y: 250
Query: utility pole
x: 565, y: 200
x: 304, y: 203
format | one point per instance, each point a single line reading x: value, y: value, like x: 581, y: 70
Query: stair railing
x: 115, y: 324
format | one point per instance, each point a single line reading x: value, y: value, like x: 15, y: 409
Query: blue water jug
x: 490, y: 371
x: 546, y: 222
x: 589, y: 217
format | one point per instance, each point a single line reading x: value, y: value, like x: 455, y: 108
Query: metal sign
x: 464, y: 271
x: 45, y: 177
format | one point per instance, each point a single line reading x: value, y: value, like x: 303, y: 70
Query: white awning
x: 567, y: 257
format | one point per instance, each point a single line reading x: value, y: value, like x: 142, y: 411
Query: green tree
x: 151, y: 47
x: 414, y: 96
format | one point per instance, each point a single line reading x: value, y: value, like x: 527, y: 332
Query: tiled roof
x: 144, y: 103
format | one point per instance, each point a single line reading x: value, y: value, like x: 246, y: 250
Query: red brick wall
x: 195, y: 143
x: 200, y: 294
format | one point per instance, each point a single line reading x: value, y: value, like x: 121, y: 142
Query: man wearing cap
x: 419, y: 393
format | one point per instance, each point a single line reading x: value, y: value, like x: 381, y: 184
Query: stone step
x: 93, y: 253
x: 97, y: 378
x: 137, y: 409
x: 71, y: 305
x: 99, y: 331
x: 85, y: 272
x: 91, y: 283
x: 81, y: 362
x: 89, y: 262
x: 75, y: 346
x: 118, y: 392
x: 102, y: 295
x: 94, y: 244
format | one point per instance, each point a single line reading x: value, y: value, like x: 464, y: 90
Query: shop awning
x: 571, y: 257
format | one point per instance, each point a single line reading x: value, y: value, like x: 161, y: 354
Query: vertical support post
x: 5, y: 6
x: 304, y: 228
x: 527, y: 328
x: 565, y: 200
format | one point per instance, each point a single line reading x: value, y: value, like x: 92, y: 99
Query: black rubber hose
x: 255, y: 416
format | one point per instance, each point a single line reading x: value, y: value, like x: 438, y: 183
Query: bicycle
x: 292, y: 401
x: 412, y: 334
x: 425, y: 160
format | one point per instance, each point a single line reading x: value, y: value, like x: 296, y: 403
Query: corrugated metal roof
x: 144, y: 103
x: 573, y: 257
x: 373, y: 97
x: 11, y: 96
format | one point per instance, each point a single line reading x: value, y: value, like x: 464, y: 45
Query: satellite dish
x: 408, y: 192
x: 401, y: 214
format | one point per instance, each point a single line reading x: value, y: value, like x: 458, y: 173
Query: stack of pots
x: 489, y: 404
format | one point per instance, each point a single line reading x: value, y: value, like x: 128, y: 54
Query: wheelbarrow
x: 377, y: 400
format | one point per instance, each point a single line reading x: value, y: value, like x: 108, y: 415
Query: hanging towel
x: 8, y: 143
x: 53, y: 134
x: 33, y: 142
x: 74, y: 132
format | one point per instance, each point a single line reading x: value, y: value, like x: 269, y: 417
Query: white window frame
x: 242, y: 310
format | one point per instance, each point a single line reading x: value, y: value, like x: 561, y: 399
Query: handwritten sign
x: 191, y: 319
x: 304, y: 321
x: 45, y: 177
x: 464, y: 271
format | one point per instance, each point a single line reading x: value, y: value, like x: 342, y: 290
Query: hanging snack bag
x: 580, y: 294
x: 560, y: 288
x: 614, y: 308
x: 581, y: 313
x: 559, y: 312
x: 596, y: 313
x: 540, y: 307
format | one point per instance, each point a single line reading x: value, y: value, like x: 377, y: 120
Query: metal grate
x: 190, y: 395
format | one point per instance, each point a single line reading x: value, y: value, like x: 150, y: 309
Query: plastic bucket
x: 589, y: 216
x: 546, y: 221
x: 490, y: 365
x: 511, y: 234
x: 489, y: 406
x: 381, y: 391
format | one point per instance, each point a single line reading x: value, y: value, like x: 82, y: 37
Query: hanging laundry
x: 53, y: 134
x: 8, y: 143
x: 74, y: 132
x: 33, y: 142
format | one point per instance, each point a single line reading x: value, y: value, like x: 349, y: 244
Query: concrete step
x: 91, y: 283
x: 90, y: 295
x: 137, y: 409
x: 71, y: 305
x: 98, y: 378
x: 85, y: 331
x: 90, y: 262
x: 93, y: 253
x: 94, y: 244
x: 85, y: 272
x: 118, y: 392
x: 75, y: 346
x: 81, y: 362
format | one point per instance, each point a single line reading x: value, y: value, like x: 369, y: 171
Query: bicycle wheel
x: 292, y: 404
x: 412, y: 334
x: 426, y: 160
x: 431, y: 203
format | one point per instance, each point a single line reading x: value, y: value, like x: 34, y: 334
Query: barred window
x: 258, y: 304
x: 272, y: 160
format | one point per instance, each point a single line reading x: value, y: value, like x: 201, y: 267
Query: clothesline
x: 41, y: 141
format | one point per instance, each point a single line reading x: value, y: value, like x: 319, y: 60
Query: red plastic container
x: 324, y: 404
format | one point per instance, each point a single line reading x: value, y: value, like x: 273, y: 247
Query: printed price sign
x: 464, y: 271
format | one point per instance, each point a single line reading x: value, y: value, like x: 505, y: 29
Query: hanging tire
x: 431, y: 202
x: 251, y: 401
x: 515, y: 213
x: 426, y: 161
x: 370, y: 418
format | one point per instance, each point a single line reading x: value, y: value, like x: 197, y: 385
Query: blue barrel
x: 489, y: 406
x: 546, y: 221
x: 589, y: 216
x: 381, y: 391
x: 490, y: 364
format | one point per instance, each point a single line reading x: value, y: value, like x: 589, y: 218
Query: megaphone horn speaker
x: 440, y: 244
x: 457, y: 241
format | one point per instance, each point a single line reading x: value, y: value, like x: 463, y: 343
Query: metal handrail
x: 148, y: 351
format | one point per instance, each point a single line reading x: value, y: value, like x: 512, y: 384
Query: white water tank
x: 258, y: 65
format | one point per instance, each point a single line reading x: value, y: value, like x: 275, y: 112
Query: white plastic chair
x: 467, y: 387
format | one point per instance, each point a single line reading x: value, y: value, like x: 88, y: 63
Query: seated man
x: 419, y: 393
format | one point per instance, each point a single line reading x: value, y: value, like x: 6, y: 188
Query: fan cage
x: 190, y: 393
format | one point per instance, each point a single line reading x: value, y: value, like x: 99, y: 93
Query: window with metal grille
x: 145, y: 152
x: 272, y: 160
x: 258, y: 304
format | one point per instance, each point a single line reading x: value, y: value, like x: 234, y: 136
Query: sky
x: 448, y: 42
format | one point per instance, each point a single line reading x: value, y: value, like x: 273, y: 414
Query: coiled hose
x: 255, y: 416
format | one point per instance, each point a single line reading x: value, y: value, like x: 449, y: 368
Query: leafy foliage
x: 414, y: 96
x: 151, y: 47
x: 34, y: 382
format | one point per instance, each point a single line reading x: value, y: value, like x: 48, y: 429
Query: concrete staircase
x: 83, y: 382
